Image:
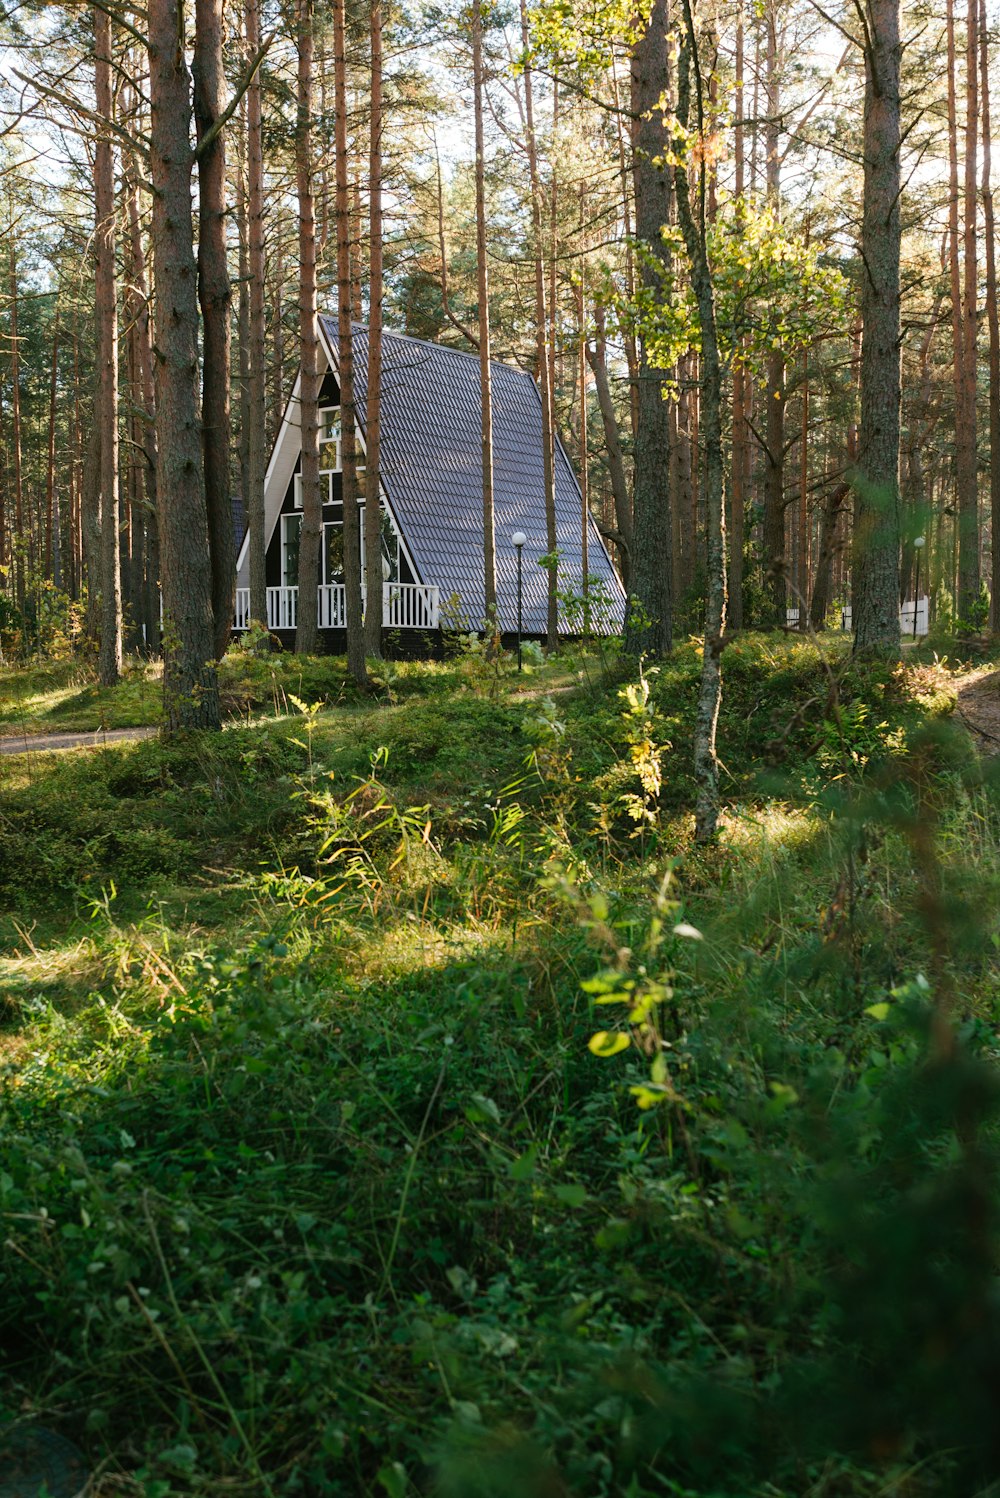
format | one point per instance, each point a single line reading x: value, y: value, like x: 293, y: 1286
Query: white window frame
x: 325, y: 412
x: 324, y: 473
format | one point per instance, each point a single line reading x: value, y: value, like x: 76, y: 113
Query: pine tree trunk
x: 243, y: 305
x: 802, y: 580
x: 483, y: 323
x: 139, y: 313
x: 106, y: 309
x: 833, y: 508
x: 649, y: 620
x: 311, y: 525
x: 583, y: 449
x: 965, y: 417
x: 277, y: 330
x: 373, y: 420
x: 18, y: 538
x: 693, y: 226
x: 90, y: 520
x: 51, y: 512
x: 876, y: 481
x: 257, y: 356
x: 737, y: 506
x: 348, y: 411
x: 542, y: 334
x: 631, y: 347
x: 968, y: 504
x: 597, y: 358
x: 993, y: 323
x: 773, y: 521
x: 190, y: 685
x: 215, y: 299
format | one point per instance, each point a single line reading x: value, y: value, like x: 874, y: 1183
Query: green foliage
x: 978, y: 614
x: 774, y: 290
x: 457, y: 1140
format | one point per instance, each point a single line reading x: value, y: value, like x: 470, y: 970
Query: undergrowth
x: 395, y: 1102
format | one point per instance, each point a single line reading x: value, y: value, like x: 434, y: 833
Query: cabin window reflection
x: 290, y: 528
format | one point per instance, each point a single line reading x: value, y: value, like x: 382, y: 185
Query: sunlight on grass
x: 764, y: 838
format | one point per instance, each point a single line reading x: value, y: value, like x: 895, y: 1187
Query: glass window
x: 329, y: 439
x: 325, y: 489
x: 333, y: 547
x: 330, y: 458
x: 333, y: 552
x: 290, y: 527
x: 390, y: 549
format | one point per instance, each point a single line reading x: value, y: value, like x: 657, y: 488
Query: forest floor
x: 396, y: 1101
x: 979, y: 707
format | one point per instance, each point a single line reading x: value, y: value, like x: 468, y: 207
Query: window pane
x: 333, y: 553
x: 390, y: 548
x: 290, y: 526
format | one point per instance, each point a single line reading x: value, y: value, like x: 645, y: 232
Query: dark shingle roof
x: 239, y: 520
x: 432, y: 474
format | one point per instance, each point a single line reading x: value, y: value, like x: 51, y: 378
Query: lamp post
x: 518, y: 539
x: 918, y: 545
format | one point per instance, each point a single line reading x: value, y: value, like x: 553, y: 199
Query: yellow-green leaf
x: 609, y: 1042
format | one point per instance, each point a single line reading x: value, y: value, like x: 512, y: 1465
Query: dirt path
x: 979, y: 709
x: 44, y: 743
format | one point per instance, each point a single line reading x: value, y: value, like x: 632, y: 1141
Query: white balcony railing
x: 404, y: 606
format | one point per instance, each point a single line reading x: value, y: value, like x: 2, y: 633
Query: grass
x: 312, y: 1182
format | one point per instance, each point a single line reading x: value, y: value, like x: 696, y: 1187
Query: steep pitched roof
x: 432, y: 476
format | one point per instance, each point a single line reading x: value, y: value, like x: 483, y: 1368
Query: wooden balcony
x: 404, y: 606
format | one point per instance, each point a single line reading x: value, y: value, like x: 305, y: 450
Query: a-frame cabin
x: 431, y: 480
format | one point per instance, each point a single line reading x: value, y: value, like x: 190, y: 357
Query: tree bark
x: 277, y: 331
x: 90, y: 515
x: 257, y: 357
x: 965, y: 415
x: 597, y: 358
x: 968, y: 510
x: 51, y: 501
x: 833, y: 508
x: 740, y: 439
x: 17, y: 547
x: 693, y: 227
x: 541, y: 347
x: 311, y: 525
x: 373, y: 420
x: 190, y: 685
x: 773, y: 522
x: 993, y: 323
x: 631, y: 347
x: 139, y: 315
x: 649, y: 619
x: 483, y: 317
x: 215, y: 299
x: 876, y: 480
x: 802, y: 580
x: 243, y: 305
x: 106, y: 308
x: 348, y: 412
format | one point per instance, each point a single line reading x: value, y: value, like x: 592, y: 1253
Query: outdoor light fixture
x: 919, y: 542
x: 517, y: 540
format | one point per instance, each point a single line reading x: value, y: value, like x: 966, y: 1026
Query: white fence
x: 404, y: 606
x: 922, y: 607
